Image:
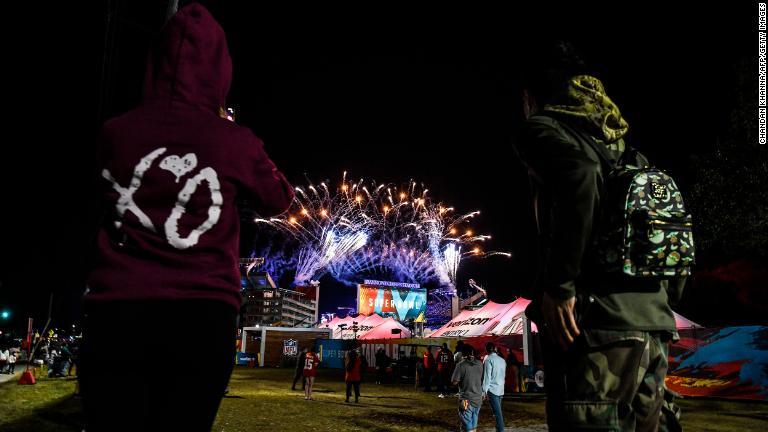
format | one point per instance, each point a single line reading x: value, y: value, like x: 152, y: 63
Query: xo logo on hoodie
x: 178, y: 166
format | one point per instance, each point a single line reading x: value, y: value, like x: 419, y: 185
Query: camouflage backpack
x: 644, y: 229
x: 647, y: 230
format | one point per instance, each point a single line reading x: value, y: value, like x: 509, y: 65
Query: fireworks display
x: 277, y: 262
x: 364, y: 227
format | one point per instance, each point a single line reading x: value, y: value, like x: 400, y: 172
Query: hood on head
x: 587, y: 102
x: 190, y: 62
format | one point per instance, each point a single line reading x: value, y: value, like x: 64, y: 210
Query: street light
x: 355, y: 328
x: 5, y: 314
x: 342, y: 327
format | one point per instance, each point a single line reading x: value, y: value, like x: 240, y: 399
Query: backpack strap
x: 629, y: 157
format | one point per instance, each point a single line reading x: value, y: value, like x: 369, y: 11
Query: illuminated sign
x: 401, y: 303
x: 391, y: 284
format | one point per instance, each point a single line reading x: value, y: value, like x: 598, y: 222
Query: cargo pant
x: 609, y: 380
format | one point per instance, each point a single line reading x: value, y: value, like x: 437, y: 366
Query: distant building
x: 266, y: 304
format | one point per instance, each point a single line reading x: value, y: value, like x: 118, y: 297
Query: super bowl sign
x: 398, y: 300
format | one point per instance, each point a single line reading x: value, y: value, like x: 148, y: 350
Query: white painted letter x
x: 125, y: 202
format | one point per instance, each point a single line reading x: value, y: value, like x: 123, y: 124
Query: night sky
x: 392, y: 95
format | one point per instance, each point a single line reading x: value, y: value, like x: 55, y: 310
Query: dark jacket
x: 300, y: 361
x: 444, y: 360
x: 172, y: 170
x: 571, y: 179
x: 382, y: 360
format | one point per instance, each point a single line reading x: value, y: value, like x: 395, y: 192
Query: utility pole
x: 527, y: 342
x: 173, y: 6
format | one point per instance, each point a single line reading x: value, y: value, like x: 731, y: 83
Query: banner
x: 332, y: 352
x: 474, y: 323
x: 730, y: 362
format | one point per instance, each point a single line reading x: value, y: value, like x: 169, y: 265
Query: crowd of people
x: 476, y: 380
x: 307, y: 362
x: 465, y: 375
x: 434, y: 369
x: 60, y: 356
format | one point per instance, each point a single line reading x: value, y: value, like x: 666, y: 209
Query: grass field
x: 260, y: 399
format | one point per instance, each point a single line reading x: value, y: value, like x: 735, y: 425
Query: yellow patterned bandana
x: 587, y: 102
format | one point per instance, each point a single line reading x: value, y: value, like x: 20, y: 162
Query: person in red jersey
x: 311, y: 362
x: 430, y: 366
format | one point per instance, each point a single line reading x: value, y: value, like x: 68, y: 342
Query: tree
x: 729, y: 197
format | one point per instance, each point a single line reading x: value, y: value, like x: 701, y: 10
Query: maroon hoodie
x: 172, y: 169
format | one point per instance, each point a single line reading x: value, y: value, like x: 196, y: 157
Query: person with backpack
x: 614, y: 249
x: 353, y: 371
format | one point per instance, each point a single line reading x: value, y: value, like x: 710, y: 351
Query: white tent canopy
x: 384, y: 330
x: 497, y: 319
x: 682, y: 322
x: 342, y: 327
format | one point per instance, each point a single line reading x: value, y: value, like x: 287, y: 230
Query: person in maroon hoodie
x: 165, y: 282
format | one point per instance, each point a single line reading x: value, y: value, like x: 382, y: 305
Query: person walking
x: 494, y: 372
x: 468, y: 376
